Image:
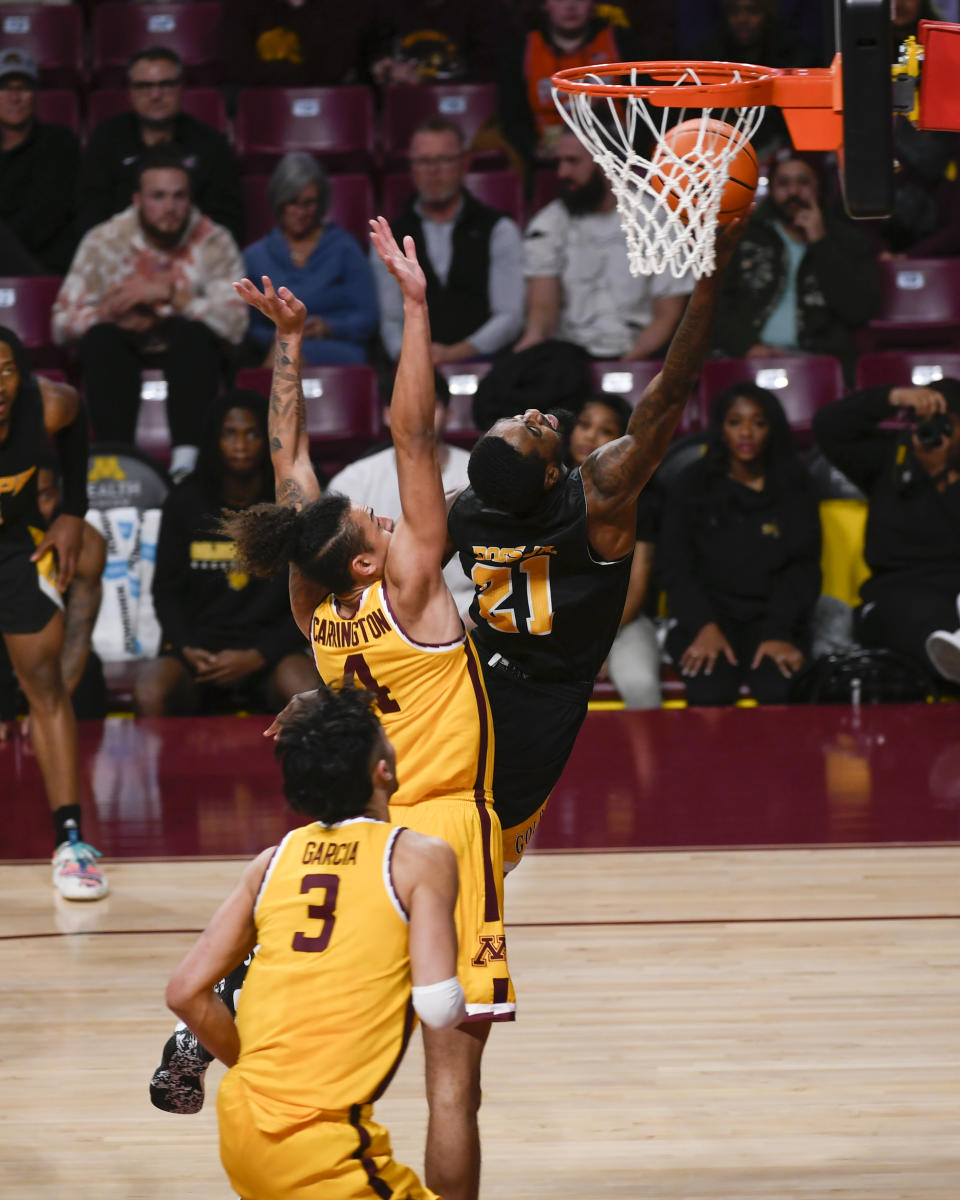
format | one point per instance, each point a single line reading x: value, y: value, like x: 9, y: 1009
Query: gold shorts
x: 473, y: 830
x: 270, y: 1154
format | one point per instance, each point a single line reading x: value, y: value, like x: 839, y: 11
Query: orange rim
x: 717, y: 88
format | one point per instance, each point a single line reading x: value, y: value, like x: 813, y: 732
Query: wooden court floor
x: 703, y: 1025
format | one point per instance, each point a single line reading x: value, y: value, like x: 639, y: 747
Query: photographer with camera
x: 910, y: 477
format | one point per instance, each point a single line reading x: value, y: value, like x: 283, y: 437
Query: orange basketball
x: 697, y: 155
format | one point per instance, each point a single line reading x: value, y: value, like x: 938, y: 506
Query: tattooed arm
x: 614, y: 474
x: 294, y: 476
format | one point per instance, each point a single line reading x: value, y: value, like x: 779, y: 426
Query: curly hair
x: 326, y: 750
x: 321, y: 540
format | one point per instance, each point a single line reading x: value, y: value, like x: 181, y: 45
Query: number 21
x: 498, y: 594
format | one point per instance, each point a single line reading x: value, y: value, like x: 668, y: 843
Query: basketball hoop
x: 669, y: 204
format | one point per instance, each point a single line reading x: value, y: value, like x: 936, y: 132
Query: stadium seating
x: 119, y: 29
x: 919, y: 305
x: 204, y: 103
x: 152, y: 434
x: 351, y: 205
x: 407, y: 105
x: 801, y: 382
x: 25, y: 307
x: 52, y: 34
x: 462, y: 379
x: 334, y: 123
x: 58, y: 106
x: 628, y: 379
x: 502, y: 190
x: 902, y: 368
x: 342, y: 403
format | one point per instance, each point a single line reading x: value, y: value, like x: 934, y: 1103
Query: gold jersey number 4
x: 499, y: 590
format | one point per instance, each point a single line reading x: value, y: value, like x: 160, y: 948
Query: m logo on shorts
x: 490, y: 949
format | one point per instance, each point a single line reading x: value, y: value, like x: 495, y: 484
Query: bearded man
x: 152, y: 287
x: 579, y: 286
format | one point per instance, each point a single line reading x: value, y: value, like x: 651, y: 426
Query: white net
x: 669, y: 204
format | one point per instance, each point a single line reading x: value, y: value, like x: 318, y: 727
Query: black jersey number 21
x: 499, y: 589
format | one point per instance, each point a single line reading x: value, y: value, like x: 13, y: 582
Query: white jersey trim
x: 388, y: 874
x: 491, y: 1010
x: 430, y: 648
x: 269, y: 871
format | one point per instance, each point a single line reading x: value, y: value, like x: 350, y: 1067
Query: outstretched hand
x: 280, y: 305
x: 402, y: 264
x: 728, y: 238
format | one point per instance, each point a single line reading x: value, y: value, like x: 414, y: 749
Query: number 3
x: 325, y: 912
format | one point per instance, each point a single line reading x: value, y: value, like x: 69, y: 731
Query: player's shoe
x: 177, y: 1084
x: 943, y: 650
x: 76, y: 875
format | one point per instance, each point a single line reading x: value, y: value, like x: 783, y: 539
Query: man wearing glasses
x: 471, y: 255
x: 156, y: 117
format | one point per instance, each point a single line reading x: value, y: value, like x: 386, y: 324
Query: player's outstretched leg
x: 177, y: 1085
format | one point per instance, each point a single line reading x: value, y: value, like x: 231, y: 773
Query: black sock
x: 69, y: 812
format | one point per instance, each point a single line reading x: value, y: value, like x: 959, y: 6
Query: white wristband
x: 440, y: 1005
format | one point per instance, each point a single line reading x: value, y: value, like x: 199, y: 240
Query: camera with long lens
x: 933, y: 430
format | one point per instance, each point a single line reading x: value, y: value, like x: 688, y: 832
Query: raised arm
x: 415, y: 561
x: 295, y: 479
x: 614, y: 474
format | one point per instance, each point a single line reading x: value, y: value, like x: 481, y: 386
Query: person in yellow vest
x: 391, y: 623
x: 353, y: 921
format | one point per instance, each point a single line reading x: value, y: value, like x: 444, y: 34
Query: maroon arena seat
x: 629, y: 379
x: 59, y: 106
x: 204, y: 103
x: 901, y: 368
x: 334, y: 123
x: 343, y: 407
x: 545, y: 188
x: 25, y: 307
x: 500, y: 189
x: 53, y: 34
x: 462, y: 379
x: 919, y: 305
x: 351, y: 205
x: 406, y: 105
x: 152, y: 434
x: 119, y: 29
x: 801, y: 382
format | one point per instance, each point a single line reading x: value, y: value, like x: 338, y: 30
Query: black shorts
x: 28, y: 599
x: 535, y: 725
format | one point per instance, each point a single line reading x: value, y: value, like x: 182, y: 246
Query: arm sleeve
x: 846, y: 431
x: 676, y: 558
x: 75, y: 308
x: 796, y: 585
x: 218, y: 306
x: 845, y: 267
x: 391, y: 307
x: 506, y: 290
x: 353, y: 308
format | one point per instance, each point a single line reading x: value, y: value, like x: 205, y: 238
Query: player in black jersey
x: 550, y: 551
x: 35, y: 569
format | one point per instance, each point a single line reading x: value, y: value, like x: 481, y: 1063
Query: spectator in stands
x: 739, y: 552
x: 319, y: 261
x: 80, y: 665
x: 470, y: 253
x: 579, y: 286
x: 39, y: 164
x: 912, y: 482
x: 437, y: 41
x: 801, y: 280
x: 299, y: 43
x: 569, y: 34
x: 750, y: 32
x: 634, y: 660
x: 228, y: 639
x: 372, y: 480
x: 153, y: 287
x: 111, y: 162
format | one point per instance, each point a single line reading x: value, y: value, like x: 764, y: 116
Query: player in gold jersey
x: 353, y: 919
x: 391, y: 622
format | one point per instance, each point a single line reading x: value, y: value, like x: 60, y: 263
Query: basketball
x: 698, y: 154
